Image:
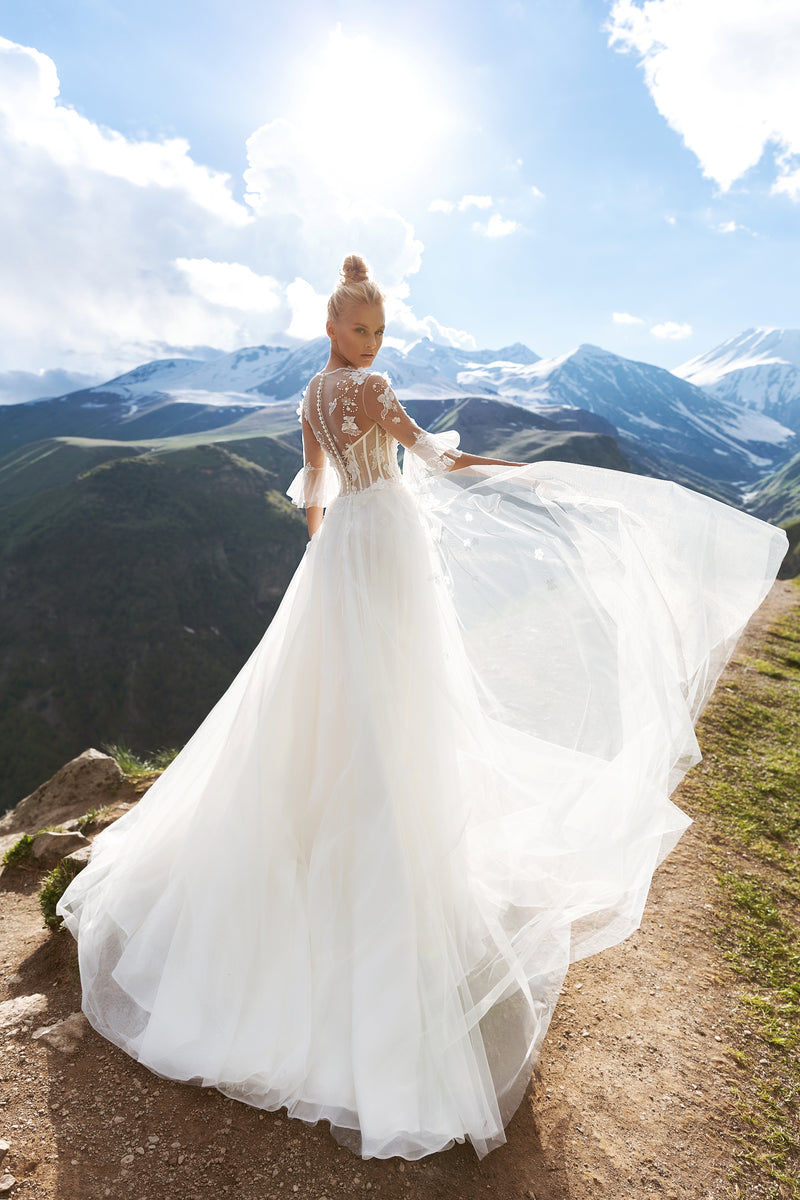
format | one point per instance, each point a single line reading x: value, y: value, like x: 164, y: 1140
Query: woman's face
x: 357, y: 333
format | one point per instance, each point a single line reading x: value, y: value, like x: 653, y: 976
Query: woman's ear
x: 329, y: 329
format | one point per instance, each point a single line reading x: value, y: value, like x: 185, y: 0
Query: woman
x: 442, y: 775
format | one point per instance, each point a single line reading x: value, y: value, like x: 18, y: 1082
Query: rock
x: 52, y: 846
x: 21, y: 1008
x: 65, y: 1035
x: 6, y: 1184
x: 88, y: 781
x: 4, y: 1148
x: 79, y: 858
x: 7, y: 840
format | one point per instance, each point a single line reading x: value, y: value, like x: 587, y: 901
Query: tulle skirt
x: 442, y: 775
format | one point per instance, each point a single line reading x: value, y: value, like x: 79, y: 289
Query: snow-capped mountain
x: 658, y: 414
x: 649, y: 407
x: 758, y: 369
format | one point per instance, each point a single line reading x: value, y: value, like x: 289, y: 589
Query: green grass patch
x: 53, y: 887
x: 93, y: 816
x: 22, y: 849
x: 19, y: 851
x: 749, y: 785
x: 139, y: 766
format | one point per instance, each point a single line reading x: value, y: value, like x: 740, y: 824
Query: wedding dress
x: 442, y: 776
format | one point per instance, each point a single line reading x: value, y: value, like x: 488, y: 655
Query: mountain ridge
x: 658, y: 415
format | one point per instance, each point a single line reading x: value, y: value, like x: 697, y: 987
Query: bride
x: 442, y: 775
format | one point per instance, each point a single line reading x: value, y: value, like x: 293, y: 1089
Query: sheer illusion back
x: 355, y: 416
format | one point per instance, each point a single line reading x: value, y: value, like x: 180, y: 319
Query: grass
x: 19, y: 851
x: 749, y: 785
x: 93, y: 816
x: 22, y: 849
x: 53, y: 887
x: 139, y: 766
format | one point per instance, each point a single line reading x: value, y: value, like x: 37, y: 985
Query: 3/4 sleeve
x: 315, y: 483
x: 437, y: 451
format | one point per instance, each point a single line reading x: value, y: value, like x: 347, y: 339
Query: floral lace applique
x: 387, y: 398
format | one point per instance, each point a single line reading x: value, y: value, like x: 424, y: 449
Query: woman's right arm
x: 382, y: 406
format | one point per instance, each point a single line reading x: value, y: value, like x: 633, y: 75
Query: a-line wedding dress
x: 442, y: 775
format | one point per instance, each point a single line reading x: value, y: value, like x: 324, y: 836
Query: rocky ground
x: 632, y: 1096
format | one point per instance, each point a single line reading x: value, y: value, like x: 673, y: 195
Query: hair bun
x: 354, y: 270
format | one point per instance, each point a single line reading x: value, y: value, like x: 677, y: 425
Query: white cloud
x: 231, y: 285
x: 17, y: 386
x: 309, y: 310
x: 28, y: 101
x: 670, y: 220
x: 403, y: 326
x: 115, y: 251
x: 496, y: 227
x: 537, y: 192
x: 443, y: 206
x: 474, y: 202
x: 789, y: 182
x: 623, y: 318
x: 733, y: 227
x: 672, y: 330
x: 723, y: 73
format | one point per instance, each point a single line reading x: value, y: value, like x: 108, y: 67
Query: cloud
x: 672, y: 331
x: 723, y: 73
x: 537, y: 192
x: 670, y: 219
x: 623, y: 318
x: 474, y: 202
x: 18, y: 386
x: 231, y: 285
x: 116, y: 251
x: 28, y: 101
x: 496, y: 227
x: 469, y: 201
x: 733, y: 227
x: 403, y: 326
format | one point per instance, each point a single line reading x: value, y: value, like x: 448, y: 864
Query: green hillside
x: 790, y: 567
x: 52, y: 463
x: 131, y: 595
x: 777, y: 498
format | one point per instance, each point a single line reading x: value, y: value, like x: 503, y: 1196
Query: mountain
x: 655, y: 413
x: 777, y: 497
x: 133, y: 586
x: 757, y: 370
x: 665, y: 424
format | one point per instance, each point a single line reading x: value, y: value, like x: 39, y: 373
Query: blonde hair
x: 354, y: 287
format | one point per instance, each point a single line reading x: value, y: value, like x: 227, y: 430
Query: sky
x: 188, y: 175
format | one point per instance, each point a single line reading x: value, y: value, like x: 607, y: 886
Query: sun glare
x: 368, y: 114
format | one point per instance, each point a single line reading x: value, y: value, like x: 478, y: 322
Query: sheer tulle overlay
x: 443, y: 775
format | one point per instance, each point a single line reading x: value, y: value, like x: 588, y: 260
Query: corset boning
x: 371, y: 457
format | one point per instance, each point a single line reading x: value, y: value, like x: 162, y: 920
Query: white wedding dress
x: 442, y: 775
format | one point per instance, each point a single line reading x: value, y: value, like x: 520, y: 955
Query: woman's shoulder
x: 377, y: 381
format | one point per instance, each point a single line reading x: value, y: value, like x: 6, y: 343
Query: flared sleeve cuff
x: 313, y: 486
x: 431, y: 454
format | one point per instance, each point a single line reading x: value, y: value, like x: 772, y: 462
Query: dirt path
x: 631, y: 1098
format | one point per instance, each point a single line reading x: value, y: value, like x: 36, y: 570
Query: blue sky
x: 513, y: 172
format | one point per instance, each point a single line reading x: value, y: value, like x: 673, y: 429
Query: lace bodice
x: 354, y: 416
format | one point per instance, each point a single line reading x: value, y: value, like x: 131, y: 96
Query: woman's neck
x: 337, y: 363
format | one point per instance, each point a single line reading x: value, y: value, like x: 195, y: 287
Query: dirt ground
x: 632, y: 1096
